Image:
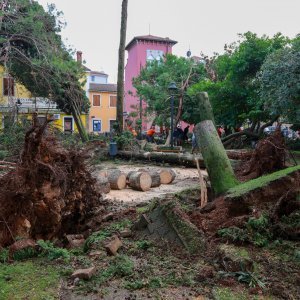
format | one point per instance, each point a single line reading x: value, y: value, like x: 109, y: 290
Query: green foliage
x: 32, y: 279
x: 12, y: 138
x: 280, y: 82
x: 153, y: 81
x: 155, y: 283
x: 3, y: 255
x: 134, y: 285
x: 24, y: 254
x: 122, y: 266
x: 233, y: 234
x: 234, y: 90
x: 95, y: 239
x: 125, y: 139
x: 251, y: 279
x: 256, y: 231
x: 52, y: 252
x: 143, y: 244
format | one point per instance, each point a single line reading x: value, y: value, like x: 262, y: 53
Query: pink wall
x: 137, y: 55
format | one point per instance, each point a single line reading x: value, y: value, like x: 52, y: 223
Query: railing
x: 37, y: 102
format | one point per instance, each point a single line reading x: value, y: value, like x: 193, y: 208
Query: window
x: 8, y: 86
x: 113, y: 101
x: 96, y: 100
x: 93, y: 78
x: 97, y: 125
x: 68, y: 124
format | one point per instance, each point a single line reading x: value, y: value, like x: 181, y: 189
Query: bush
x: 50, y: 251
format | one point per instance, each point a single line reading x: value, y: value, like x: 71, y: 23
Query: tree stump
x: 167, y: 176
x: 140, y: 181
x: 117, y: 179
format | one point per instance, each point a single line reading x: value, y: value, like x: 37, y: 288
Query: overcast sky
x: 93, y: 26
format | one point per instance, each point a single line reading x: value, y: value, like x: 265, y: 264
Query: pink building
x: 140, y: 50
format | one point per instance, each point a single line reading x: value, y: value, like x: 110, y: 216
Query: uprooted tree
x: 49, y: 193
x: 214, y: 155
x: 32, y: 52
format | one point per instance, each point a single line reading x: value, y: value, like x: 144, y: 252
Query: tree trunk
x: 120, y: 83
x: 80, y: 127
x: 215, y: 158
x: 117, y: 179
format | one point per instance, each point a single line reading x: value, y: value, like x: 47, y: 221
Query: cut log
x: 128, y: 176
x: 103, y: 184
x: 140, y: 181
x: 117, y: 179
x: 167, y: 176
x: 155, y: 177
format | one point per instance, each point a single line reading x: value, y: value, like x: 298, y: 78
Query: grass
x: 29, y: 280
x: 260, y: 182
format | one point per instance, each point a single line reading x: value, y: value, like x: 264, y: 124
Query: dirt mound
x: 276, y: 199
x: 49, y: 193
x: 268, y: 156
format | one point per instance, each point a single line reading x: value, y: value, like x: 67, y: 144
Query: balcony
x: 29, y: 105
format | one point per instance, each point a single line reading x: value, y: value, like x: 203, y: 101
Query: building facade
x: 140, y: 50
x: 16, y: 102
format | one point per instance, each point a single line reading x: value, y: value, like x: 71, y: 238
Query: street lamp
x: 18, y: 104
x: 172, y: 88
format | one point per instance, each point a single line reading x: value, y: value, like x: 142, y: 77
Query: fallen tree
x: 214, y: 155
x: 49, y: 193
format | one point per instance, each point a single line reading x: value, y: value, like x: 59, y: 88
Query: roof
x: 86, y: 68
x: 98, y: 73
x: 150, y: 38
x: 102, y: 87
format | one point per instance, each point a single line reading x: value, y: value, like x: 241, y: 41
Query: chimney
x: 79, y: 56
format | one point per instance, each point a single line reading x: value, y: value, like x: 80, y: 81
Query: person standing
x: 150, y: 134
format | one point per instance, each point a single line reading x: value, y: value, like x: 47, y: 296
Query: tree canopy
x: 32, y: 51
x: 280, y: 82
x: 232, y: 85
x: 153, y: 82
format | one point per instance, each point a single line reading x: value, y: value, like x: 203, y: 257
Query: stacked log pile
x: 140, y: 180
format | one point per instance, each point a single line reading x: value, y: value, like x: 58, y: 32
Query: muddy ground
x: 152, y: 268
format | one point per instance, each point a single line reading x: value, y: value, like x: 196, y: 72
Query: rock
x: 126, y: 233
x: 20, y: 245
x: 76, y: 281
x: 96, y: 254
x: 85, y: 274
x: 75, y: 240
x: 234, y: 259
x: 113, y: 245
x: 142, y: 223
x: 108, y: 217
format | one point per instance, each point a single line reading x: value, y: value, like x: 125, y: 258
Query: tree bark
x: 80, y: 127
x: 214, y: 155
x: 120, y: 83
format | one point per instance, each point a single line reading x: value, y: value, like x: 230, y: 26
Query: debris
x: 113, y: 246
x: 75, y: 240
x: 50, y: 192
x: 84, y: 274
x: 126, y: 233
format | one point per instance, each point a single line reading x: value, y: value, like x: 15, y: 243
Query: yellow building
x: 103, y: 100
x: 17, y: 102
